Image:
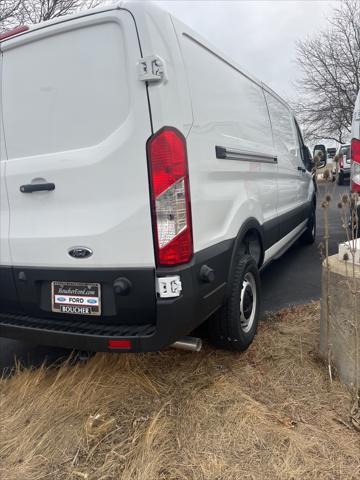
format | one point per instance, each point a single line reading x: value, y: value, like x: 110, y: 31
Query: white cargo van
x: 145, y: 180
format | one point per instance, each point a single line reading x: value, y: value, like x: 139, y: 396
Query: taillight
x: 170, y: 197
x: 14, y: 31
x: 341, y: 162
x: 355, y: 165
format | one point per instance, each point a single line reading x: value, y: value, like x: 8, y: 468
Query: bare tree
x: 15, y: 12
x: 8, y: 8
x: 330, y: 64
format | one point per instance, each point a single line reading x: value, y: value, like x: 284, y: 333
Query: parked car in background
x: 152, y: 183
x: 343, y: 158
x: 331, y: 152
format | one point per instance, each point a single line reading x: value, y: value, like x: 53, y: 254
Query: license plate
x: 76, y: 298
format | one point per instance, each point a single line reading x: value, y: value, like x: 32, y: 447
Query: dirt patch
x: 268, y: 413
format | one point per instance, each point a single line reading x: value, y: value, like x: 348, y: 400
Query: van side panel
x: 230, y: 114
x: 287, y: 151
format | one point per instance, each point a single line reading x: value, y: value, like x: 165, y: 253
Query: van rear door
x: 76, y: 122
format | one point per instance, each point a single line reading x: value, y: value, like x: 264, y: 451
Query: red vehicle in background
x: 355, y: 148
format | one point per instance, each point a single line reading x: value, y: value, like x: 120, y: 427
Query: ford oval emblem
x: 80, y: 252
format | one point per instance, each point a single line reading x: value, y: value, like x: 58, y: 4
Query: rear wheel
x: 234, y: 326
x: 308, y: 237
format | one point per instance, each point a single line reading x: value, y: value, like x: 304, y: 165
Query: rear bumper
x: 147, y: 322
x: 174, y: 319
x: 73, y: 334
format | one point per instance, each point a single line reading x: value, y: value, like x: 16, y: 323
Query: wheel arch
x: 250, y: 226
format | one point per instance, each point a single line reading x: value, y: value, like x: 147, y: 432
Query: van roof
x: 139, y: 8
x: 79, y: 14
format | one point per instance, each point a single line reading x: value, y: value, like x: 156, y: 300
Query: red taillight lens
x: 119, y: 344
x: 355, y: 150
x: 170, y: 197
x: 355, y: 165
x: 14, y: 31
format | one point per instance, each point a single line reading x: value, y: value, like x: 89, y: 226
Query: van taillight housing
x: 170, y: 197
x: 355, y: 165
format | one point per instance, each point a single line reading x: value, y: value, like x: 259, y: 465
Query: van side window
x: 284, y: 135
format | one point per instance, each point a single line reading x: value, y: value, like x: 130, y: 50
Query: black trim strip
x: 244, y: 155
x: 276, y: 229
x: 290, y: 220
x: 271, y: 232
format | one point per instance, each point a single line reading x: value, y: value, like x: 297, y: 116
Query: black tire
x: 308, y: 237
x: 234, y: 326
x: 340, y: 179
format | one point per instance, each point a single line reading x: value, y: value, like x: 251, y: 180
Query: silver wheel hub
x: 248, y: 302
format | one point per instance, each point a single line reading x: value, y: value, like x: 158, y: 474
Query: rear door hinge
x: 151, y: 69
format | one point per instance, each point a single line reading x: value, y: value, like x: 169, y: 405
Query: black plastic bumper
x: 73, y: 334
x: 148, y: 323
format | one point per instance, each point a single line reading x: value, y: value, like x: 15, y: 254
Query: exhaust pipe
x: 192, y: 344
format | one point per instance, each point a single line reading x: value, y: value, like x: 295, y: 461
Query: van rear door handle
x: 301, y: 169
x: 37, y: 187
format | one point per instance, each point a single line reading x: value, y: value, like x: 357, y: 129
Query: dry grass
x: 320, y: 172
x: 267, y: 414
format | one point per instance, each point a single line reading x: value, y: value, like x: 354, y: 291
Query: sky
x: 259, y: 35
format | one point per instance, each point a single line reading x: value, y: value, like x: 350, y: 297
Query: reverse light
x: 355, y: 165
x: 170, y: 197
